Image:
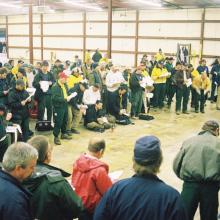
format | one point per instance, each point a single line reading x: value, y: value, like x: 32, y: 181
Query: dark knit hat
x: 147, y: 150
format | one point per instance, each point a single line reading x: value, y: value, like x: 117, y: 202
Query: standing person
x: 182, y: 79
x: 143, y: 196
x: 18, y: 100
x: 202, y: 67
x: 218, y: 91
x: 197, y: 164
x: 169, y: 67
x: 43, y: 93
x: 18, y: 164
x: 88, y: 58
x: 214, y: 73
x: 56, y: 69
x: 4, y: 118
x: 77, y: 62
x: 37, y: 68
x: 60, y: 109
x: 90, y: 176
x: 159, y: 76
x: 67, y: 70
x: 4, y: 86
x: 52, y: 196
x: 92, y: 95
x: 172, y: 83
x: 202, y: 86
x: 74, y: 78
x: 160, y: 55
x: 194, y: 74
x: 21, y: 74
x: 114, y: 79
x: 97, y: 56
x: 76, y: 104
x: 15, y: 68
x: 136, y: 92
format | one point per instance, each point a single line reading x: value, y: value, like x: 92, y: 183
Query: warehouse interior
x: 124, y: 30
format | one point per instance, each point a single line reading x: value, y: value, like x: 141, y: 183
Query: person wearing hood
x: 4, y: 86
x: 90, y: 177
x: 143, y: 196
x: 198, y: 165
x: 52, y: 196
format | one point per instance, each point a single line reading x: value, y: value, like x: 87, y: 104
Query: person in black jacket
x: 77, y: 105
x: 21, y: 74
x: 136, y: 93
x: 96, y: 120
x: 4, y: 141
x: 18, y: 164
x: 4, y: 86
x: 118, y: 102
x: 43, y: 95
x: 18, y: 100
x: 59, y: 101
x: 52, y: 196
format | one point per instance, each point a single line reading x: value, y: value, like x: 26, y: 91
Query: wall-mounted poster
x: 183, y: 53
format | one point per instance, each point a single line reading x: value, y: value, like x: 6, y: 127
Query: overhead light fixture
x: 10, y: 5
x: 81, y: 5
x: 150, y: 3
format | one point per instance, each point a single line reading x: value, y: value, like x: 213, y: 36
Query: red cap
x: 63, y: 75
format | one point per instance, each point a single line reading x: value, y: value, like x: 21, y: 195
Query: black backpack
x: 43, y: 126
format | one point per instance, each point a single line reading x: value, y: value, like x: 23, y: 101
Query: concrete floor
x: 171, y: 129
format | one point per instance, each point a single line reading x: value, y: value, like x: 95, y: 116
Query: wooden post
x: 84, y: 36
x: 136, y: 39
x: 42, y: 36
x: 202, y: 33
x: 7, y: 47
x: 31, y: 54
x: 109, y: 29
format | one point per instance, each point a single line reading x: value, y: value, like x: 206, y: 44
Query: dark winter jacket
x: 141, y: 198
x: 77, y: 100
x: 53, y: 197
x: 115, y: 102
x: 18, y: 111
x: 135, y: 82
x: 14, y: 199
x: 58, y: 100
x: 4, y: 86
x: 36, y: 84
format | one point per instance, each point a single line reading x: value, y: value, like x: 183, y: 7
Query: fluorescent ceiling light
x: 10, y: 5
x: 150, y: 3
x: 83, y: 5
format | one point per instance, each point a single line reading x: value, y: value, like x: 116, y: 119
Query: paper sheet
x: 114, y: 176
x: 189, y: 82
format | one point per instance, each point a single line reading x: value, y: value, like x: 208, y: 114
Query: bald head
x: 96, y: 145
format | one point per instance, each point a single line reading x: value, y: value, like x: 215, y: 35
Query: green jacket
x: 199, y: 159
x: 55, y: 70
x: 53, y: 197
x: 58, y: 100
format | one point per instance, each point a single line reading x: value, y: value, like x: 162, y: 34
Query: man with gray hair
x: 198, y: 165
x: 144, y: 196
x: 18, y: 164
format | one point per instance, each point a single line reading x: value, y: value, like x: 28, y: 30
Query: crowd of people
x: 101, y: 95
x: 31, y: 188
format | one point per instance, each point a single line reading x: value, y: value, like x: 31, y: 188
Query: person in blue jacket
x: 203, y: 67
x: 143, y: 196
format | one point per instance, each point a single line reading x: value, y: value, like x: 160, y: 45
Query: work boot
x: 185, y: 112
x: 66, y: 137
x: 202, y: 111
x: 178, y: 112
x: 57, y: 141
x: 69, y: 133
x: 74, y: 131
x: 196, y: 111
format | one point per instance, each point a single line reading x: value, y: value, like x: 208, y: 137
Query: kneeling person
x: 95, y: 118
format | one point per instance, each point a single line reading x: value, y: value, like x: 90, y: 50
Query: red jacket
x: 90, y: 180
